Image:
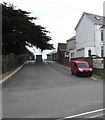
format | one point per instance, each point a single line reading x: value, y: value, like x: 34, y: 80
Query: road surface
x: 45, y: 90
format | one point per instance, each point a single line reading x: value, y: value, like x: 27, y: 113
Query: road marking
x: 82, y: 114
x: 63, y: 66
x: 8, y: 76
x: 93, y: 78
x: 96, y: 116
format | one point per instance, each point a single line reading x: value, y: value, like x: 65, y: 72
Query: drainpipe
x: 94, y: 35
x: 95, y: 40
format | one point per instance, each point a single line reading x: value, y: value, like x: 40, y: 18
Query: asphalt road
x: 45, y: 90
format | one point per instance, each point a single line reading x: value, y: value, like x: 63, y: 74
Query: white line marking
x: 96, y: 116
x: 64, y: 67
x: 8, y: 76
x: 82, y: 114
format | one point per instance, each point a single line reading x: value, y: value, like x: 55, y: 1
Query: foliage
x: 19, y: 30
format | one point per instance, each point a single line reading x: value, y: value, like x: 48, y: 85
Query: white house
x: 104, y: 40
x: 71, y: 47
x: 89, y: 35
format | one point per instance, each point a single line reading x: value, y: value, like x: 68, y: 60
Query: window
x: 102, y: 37
x: 97, y: 18
x: 89, y: 52
x: 72, y: 55
x: 102, y: 51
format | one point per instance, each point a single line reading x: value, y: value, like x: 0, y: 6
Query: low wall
x: 10, y: 62
x: 98, y: 71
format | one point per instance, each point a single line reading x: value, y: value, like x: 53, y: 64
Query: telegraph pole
x: 104, y: 36
x: 104, y: 27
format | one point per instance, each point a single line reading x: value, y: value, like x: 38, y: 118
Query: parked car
x: 80, y: 68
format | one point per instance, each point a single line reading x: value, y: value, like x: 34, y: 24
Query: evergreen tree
x: 19, y: 30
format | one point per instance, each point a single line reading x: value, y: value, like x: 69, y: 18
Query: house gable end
x: 84, y: 14
x: 62, y: 46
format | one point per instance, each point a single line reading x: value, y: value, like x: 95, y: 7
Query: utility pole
x: 104, y: 36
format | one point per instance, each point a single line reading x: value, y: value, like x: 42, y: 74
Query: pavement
x: 7, y: 75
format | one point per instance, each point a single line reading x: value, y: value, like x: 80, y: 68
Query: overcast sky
x: 60, y: 17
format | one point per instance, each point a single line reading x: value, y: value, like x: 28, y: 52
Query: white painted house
x: 104, y: 39
x: 89, y: 35
x: 71, y: 47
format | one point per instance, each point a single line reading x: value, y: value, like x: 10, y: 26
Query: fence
x: 10, y: 62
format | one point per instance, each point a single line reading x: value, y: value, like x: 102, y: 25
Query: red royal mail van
x: 79, y: 67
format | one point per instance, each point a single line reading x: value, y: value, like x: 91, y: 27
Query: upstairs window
x: 102, y: 37
x: 89, y: 52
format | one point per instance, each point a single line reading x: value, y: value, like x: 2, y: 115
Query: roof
x: 96, y: 19
x: 103, y: 26
x: 53, y: 52
x: 62, y: 46
x: 71, y: 39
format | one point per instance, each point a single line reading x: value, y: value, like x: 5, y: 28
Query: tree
x: 19, y: 30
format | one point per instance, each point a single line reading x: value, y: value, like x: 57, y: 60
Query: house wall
x: 85, y: 37
x: 71, y: 48
x: 93, y: 51
x: 80, y: 52
x: 104, y: 54
x: 98, y: 42
x: 71, y: 52
x: 71, y: 44
x: 88, y: 36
